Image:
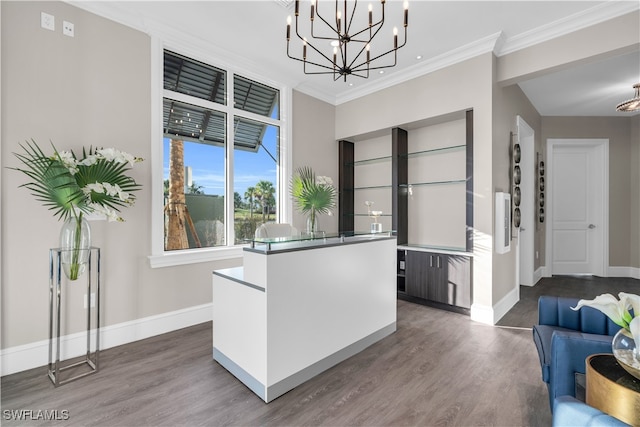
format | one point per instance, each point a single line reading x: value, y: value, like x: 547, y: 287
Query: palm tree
x: 176, y: 237
x: 264, y: 192
x: 248, y: 196
x: 195, y: 189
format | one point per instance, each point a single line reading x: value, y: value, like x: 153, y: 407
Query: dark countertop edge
x: 235, y: 279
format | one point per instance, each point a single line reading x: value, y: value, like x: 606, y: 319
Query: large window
x: 221, y: 155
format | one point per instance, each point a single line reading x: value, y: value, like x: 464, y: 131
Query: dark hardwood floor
x: 438, y: 369
x: 525, y: 312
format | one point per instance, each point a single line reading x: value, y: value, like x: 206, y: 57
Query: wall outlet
x: 537, y: 255
x: 93, y: 300
x: 47, y: 21
x: 68, y: 28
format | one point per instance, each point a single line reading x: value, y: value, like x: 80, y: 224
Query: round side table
x: 611, y: 389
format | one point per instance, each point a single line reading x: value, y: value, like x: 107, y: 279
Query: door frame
x: 603, y: 143
x: 526, y: 242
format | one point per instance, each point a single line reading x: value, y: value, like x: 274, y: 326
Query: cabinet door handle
x: 430, y: 260
x: 438, y: 260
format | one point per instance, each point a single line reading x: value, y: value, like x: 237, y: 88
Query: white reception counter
x: 298, y: 308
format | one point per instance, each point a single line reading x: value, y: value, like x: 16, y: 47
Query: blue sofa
x: 564, y: 338
x: 570, y: 412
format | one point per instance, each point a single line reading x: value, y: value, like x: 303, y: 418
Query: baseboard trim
x: 482, y: 314
x: 507, y: 302
x: 632, y: 272
x: 538, y: 274
x: 491, y: 315
x: 28, y: 356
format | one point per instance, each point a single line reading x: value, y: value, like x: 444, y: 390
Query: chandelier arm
x: 377, y: 25
x: 310, y: 62
x: 347, y: 27
x: 366, y: 42
x: 312, y: 36
x: 369, y: 42
x: 395, y: 61
x: 325, y: 21
x: 320, y: 53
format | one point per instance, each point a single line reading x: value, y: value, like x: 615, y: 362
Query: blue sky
x: 207, y: 164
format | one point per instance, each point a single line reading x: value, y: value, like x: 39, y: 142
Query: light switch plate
x: 47, y: 21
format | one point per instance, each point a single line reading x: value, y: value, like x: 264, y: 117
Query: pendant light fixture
x: 632, y: 104
x: 342, y: 46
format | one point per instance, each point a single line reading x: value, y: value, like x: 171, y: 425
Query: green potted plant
x: 72, y: 187
x: 313, y: 195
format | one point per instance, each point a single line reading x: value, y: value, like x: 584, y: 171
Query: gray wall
x: 93, y: 89
x: 510, y: 102
x: 314, y: 145
x: 622, y: 168
x: 635, y: 192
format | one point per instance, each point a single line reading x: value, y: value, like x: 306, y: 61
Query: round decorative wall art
x: 517, y: 217
x: 517, y: 196
x: 517, y: 154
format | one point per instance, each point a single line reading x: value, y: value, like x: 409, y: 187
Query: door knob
x: 591, y: 226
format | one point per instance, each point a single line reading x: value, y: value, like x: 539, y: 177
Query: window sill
x: 193, y: 256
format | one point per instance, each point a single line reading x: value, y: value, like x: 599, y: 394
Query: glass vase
x: 75, y: 245
x: 312, y: 223
x: 626, y: 352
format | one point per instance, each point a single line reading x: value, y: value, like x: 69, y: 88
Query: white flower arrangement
x: 71, y: 186
x: 618, y: 311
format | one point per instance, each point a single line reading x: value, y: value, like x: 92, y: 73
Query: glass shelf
x: 436, y: 151
x: 373, y: 187
x: 366, y: 215
x: 369, y: 161
x: 418, y: 184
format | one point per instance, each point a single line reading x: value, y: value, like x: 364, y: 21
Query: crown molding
x: 497, y: 43
x: 471, y: 50
x: 595, y: 15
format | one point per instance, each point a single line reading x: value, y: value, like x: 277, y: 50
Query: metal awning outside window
x: 198, y: 124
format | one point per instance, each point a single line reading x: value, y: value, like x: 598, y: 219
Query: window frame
x: 197, y: 51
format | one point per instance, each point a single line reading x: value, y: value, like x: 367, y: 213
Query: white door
x: 578, y: 196
x: 527, y: 209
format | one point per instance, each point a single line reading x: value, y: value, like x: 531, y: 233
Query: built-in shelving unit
x: 421, y: 177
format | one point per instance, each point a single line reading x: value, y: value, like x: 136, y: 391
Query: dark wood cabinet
x: 438, y: 277
x: 442, y: 279
x: 417, y: 274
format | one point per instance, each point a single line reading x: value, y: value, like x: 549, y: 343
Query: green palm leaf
x: 310, y: 196
x: 52, y: 183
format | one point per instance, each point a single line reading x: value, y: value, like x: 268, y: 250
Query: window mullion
x: 228, y: 164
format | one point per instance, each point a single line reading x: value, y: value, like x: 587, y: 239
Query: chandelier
x: 632, y: 104
x: 343, y: 41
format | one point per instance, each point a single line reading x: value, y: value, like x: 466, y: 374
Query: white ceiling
x: 250, y: 35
